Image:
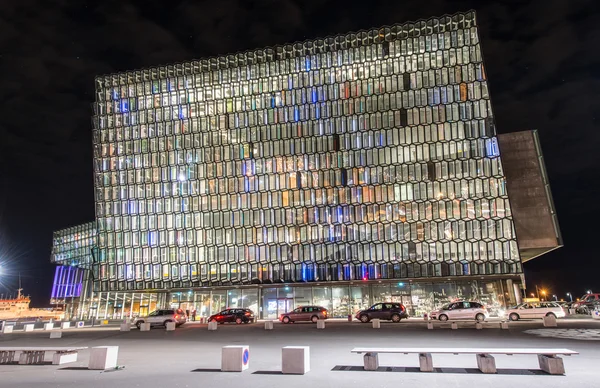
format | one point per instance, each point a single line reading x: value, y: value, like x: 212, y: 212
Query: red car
x: 233, y: 315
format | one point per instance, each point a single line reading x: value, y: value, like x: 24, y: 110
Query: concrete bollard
x: 504, y: 325
x: 212, y: 325
x: 125, y: 326
x: 454, y: 325
x: 320, y: 324
x: 48, y: 326
x: 349, y: 317
x: 268, y: 325
x: 376, y: 323
x: 550, y: 321
x: 295, y: 360
x: 429, y: 325
x: 479, y: 326
x: 103, y: 357
x: 56, y: 334
x: 65, y: 325
x: 145, y: 326
x: 80, y: 324
x: 235, y: 358
x: 7, y: 329
x: 170, y: 326
x: 28, y: 327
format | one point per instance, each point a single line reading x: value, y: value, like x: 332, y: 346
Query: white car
x: 162, y: 317
x: 534, y: 310
x: 461, y: 311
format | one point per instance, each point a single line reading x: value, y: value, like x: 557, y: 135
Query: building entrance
x: 275, y: 307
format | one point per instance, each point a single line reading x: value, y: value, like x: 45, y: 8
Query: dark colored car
x: 587, y: 303
x: 304, y: 313
x: 389, y: 311
x: 233, y: 315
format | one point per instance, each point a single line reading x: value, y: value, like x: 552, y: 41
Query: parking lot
x: 191, y: 355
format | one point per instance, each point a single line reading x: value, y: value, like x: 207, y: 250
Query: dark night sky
x: 542, y: 61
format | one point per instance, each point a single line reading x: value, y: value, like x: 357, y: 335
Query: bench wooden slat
x: 511, y: 351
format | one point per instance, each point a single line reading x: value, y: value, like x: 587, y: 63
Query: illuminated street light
x: 555, y: 297
x: 570, y: 296
x: 544, y: 293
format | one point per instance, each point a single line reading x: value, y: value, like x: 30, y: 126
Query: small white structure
x: 376, y: 324
x: 56, y: 334
x: 486, y: 363
x: 504, y: 325
x: 65, y: 325
x: 28, y: 327
x: 212, y: 325
x: 170, y: 326
x: 145, y: 326
x: 295, y: 360
x: 125, y: 326
x: 235, y: 358
x: 268, y: 325
x: 371, y: 361
x: 7, y: 329
x: 320, y: 324
x: 550, y: 321
x: 59, y: 358
x: 425, y: 362
x: 454, y: 325
x: 48, y: 326
x: 551, y: 364
x: 80, y: 324
x: 103, y: 357
x: 479, y: 326
x: 429, y: 325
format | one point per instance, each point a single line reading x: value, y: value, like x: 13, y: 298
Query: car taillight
x: 247, y: 314
x: 176, y: 316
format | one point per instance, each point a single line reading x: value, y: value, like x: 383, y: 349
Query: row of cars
x: 395, y: 312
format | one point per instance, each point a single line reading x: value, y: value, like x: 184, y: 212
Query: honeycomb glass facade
x: 361, y: 157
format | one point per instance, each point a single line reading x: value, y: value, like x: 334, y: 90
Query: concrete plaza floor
x: 191, y: 356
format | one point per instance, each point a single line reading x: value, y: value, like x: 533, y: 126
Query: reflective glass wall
x: 369, y: 155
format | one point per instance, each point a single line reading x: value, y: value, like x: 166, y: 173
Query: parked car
x: 238, y: 316
x: 461, y: 311
x: 587, y: 303
x: 533, y: 310
x: 304, y: 313
x: 389, y: 311
x: 162, y: 317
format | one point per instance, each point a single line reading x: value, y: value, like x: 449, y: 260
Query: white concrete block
x: 295, y: 360
x: 170, y: 326
x: 56, y: 334
x: 550, y: 321
x: 429, y: 325
x: 371, y: 361
x: 376, y: 323
x: 48, y: 326
x: 425, y: 362
x: 65, y: 325
x: 28, y: 327
x: 80, y: 324
x: 7, y: 329
x: 212, y: 325
x: 103, y: 357
x: 486, y: 363
x: 126, y: 327
x: 454, y: 325
x: 269, y: 325
x: 479, y: 326
x: 64, y: 358
x: 145, y: 326
x: 235, y: 358
x: 320, y: 324
x: 551, y: 364
x: 504, y: 325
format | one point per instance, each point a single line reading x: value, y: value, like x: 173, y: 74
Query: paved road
x: 190, y: 356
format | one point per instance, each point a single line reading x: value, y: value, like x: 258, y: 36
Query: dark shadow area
x: 17, y: 363
x: 268, y: 372
x: 206, y: 370
x: 519, y: 372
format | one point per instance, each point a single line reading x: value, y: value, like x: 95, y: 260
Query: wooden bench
x: 35, y: 355
x: 547, y: 358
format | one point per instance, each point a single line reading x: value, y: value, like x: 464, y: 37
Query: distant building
x: 341, y: 171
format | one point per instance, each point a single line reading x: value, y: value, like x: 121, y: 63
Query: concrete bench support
x: 170, y: 326
x: 31, y: 357
x: 65, y: 325
x: 7, y: 329
x: 212, y: 325
x: 28, y: 327
x: 371, y: 361
x: 376, y: 324
x: 429, y: 325
x: 7, y: 356
x: 103, y: 357
x: 48, y: 326
x: 454, y: 325
x: 145, y: 326
x: 126, y: 327
x: 269, y: 325
x: 320, y: 324
x: 550, y: 321
x: 551, y: 364
x: 486, y: 363
x: 295, y: 360
x: 56, y: 334
x: 60, y: 358
x: 235, y: 358
x: 478, y: 326
x: 425, y: 362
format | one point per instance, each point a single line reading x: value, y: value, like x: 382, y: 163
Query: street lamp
x: 555, y: 298
x: 570, y: 296
x: 544, y: 293
x: 532, y: 295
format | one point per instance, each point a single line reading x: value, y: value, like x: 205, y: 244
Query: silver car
x: 461, y: 311
x: 162, y: 317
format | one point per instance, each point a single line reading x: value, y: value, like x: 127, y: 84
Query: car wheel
x: 513, y: 317
x: 165, y: 323
x: 551, y: 315
x: 286, y: 320
x: 364, y: 318
x: 396, y: 318
x: 480, y: 317
x: 314, y: 319
x: 238, y: 320
x: 138, y: 324
x: 443, y: 318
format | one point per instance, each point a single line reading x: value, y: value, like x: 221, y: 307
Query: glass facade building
x: 335, y: 171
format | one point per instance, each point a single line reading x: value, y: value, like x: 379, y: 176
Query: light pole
x: 543, y: 293
x: 555, y: 298
x: 570, y: 296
